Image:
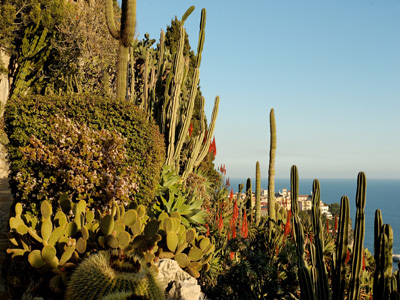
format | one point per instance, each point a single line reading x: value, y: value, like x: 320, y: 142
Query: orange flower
x: 190, y: 129
x: 232, y: 255
x: 233, y: 230
x: 363, y: 262
x: 336, y: 224
x: 231, y: 196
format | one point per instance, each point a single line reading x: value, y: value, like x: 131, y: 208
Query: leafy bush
x: 86, y: 164
x: 31, y: 116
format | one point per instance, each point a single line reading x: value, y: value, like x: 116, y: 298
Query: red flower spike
x: 363, y: 261
x: 220, y: 223
x: 347, y: 257
x: 287, y: 225
x: 336, y: 224
x: 232, y: 255
x: 231, y: 196
x: 233, y: 230
x: 190, y: 129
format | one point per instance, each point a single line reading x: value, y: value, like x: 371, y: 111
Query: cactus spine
x: 271, y: 169
x: 258, y: 191
x: 359, y: 232
x: 125, y: 36
x: 342, y: 244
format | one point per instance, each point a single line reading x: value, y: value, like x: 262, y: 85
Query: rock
x: 177, y: 283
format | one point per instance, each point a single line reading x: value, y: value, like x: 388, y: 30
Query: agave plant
x: 172, y: 196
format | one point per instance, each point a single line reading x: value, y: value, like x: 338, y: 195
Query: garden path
x: 5, y: 203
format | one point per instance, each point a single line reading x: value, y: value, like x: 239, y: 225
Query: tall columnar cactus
x: 378, y: 223
x: 342, y: 244
x: 271, y: 169
x: 249, y: 204
x: 359, y: 232
x: 125, y: 36
x: 383, y: 245
x: 258, y: 191
x: 306, y: 284
x: 321, y: 279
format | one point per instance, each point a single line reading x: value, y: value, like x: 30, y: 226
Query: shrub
x: 31, y: 116
x: 86, y: 164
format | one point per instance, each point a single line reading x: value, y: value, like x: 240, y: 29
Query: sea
x: 383, y: 194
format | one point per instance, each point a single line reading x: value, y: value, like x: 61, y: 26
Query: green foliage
x: 264, y: 268
x: 31, y: 116
x: 334, y: 208
x: 172, y: 197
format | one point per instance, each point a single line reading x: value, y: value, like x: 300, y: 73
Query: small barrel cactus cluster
x: 112, y: 275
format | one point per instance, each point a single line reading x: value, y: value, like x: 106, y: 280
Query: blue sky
x: 330, y: 70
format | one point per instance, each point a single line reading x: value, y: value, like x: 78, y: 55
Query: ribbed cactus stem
x: 359, y: 233
x: 210, y: 133
x: 172, y: 113
x: 388, y: 254
x: 125, y: 36
x: 193, y: 91
x: 249, y: 206
x: 339, y: 272
x: 271, y: 168
x: 258, y: 193
x: 322, y: 287
x: 306, y: 285
x: 378, y: 223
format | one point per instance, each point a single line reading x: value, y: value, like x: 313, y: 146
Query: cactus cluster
x: 60, y: 240
x: 97, y: 277
x: 169, y: 93
x: 191, y: 251
x: 385, y: 283
x: 54, y: 242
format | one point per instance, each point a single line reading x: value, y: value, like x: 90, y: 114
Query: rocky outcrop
x: 177, y: 283
x: 4, y: 82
